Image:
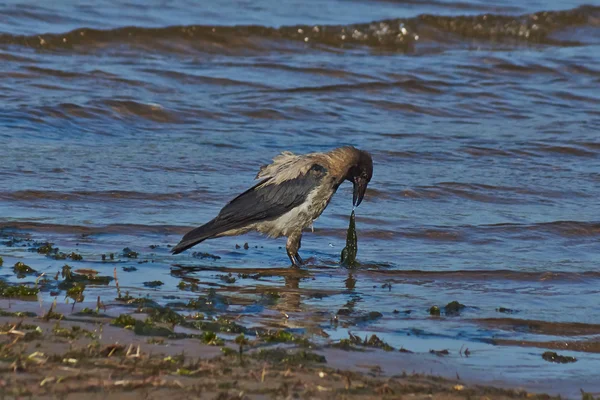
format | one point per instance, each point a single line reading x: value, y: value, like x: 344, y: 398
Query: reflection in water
x: 350, y: 282
x: 290, y: 297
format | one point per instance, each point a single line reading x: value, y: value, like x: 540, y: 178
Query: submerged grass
x: 21, y: 292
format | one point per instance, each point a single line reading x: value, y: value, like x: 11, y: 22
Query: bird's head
x: 360, y: 174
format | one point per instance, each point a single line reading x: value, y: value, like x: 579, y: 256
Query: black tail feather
x: 195, y: 236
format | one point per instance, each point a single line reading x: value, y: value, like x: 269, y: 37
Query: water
x: 125, y: 124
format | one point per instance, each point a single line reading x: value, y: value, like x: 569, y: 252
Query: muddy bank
x: 54, y: 355
x: 88, y: 292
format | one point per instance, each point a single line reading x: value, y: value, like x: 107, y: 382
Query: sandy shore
x: 62, y: 356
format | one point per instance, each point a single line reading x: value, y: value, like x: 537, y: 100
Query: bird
x: 291, y: 193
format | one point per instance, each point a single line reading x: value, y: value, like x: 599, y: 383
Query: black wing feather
x: 261, y: 202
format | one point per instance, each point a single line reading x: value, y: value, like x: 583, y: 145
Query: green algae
x: 373, y: 341
x: 453, y: 308
x: 434, y: 310
x: 74, y: 332
x: 347, y: 345
x: 198, y: 254
x: 229, y: 278
x: 282, y: 336
x: 51, y: 314
x: 372, y: 316
x: 76, y: 292
x: 22, y: 270
x: 124, y: 321
x: 19, y: 314
x: 153, y: 284
x: 128, y: 253
x: 192, y: 286
x: 289, y: 356
x: 144, y: 328
x: 47, y: 249
x: 221, y: 324
x: 554, y: 357
x: 18, y: 291
x: 71, y: 278
x: 228, y: 351
x: 211, y: 339
x: 505, y: 310
x: 348, y: 256
x: 166, y: 315
x: 87, y: 311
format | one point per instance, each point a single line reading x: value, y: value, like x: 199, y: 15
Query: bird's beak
x: 360, y: 187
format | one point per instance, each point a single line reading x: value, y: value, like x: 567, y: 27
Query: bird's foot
x: 296, y: 260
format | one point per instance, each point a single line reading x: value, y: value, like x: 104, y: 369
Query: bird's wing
x: 287, y: 166
x: 267, y: 200
x: 270, y: 198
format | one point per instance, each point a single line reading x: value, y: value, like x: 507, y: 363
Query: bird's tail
x: 196, y: 236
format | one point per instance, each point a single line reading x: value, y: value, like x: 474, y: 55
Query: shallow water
x: 124, y: 124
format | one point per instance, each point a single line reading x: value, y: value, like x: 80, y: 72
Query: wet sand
x: 72, y: 355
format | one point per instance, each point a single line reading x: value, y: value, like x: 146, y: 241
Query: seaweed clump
x: 454, y: 308
x: 554, y: 357
x: 84, y: 277
x: 153, y: 284
x: 55, y: 253
x: 289, y: 357
x: 348, y: 256
x: 373, y: 341
x: 22, y: 270
x: 128, y: 253
x: 20, y: 291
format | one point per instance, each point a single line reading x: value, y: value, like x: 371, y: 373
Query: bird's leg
x: 292, y: 246
x: 298, y: 255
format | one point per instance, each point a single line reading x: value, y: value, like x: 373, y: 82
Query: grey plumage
x: 293, y: 191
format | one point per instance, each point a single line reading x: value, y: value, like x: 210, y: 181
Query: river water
x: 126, y: 123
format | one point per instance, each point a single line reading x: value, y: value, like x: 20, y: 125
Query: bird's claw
x: 297, y: 261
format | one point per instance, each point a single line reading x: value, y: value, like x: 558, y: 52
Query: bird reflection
x: 290, y: 297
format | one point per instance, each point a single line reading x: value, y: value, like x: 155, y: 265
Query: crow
x: 292, y: 192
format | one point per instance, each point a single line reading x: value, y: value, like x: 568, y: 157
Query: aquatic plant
x: 153, y: 284
x: 18, y: 291
x: 348, y: 256
x: 554, y: 357
x: 21, y: 269
x: 128, y: 253
x: 124, y: 320
x: 434, y: 310
x: 453, y: 308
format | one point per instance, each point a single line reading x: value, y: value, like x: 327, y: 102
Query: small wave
x: 477, y: 234
x: 491, y: 275
x: 542, y: 327
x: 397, y: 34
x: 567, y: 151
x: 87, y: 196
x: 122, y: 229
x: 481, y: 193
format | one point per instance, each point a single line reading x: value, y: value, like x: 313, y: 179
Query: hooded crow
x: 292, y: 192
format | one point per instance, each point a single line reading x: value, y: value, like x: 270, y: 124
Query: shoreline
x: 68, y: 354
